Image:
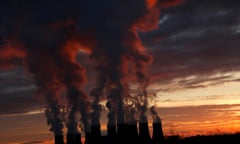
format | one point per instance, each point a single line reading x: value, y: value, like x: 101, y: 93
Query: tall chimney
x: 158, y: 136
x: 111, y: 134
x: 96, y: 134
x: 88, y: 138
x: 58, y: 139
x: 70, y: 138
x: 132, y: 133
x: 122, y: 133
x: 144, y: 135
x: 74, y: 138
x: 78, y: 138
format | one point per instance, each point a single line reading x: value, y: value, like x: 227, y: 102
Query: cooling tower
x: 158, y: 137
x: 132, y: 134
x: 121, y: 133
x: 88, y: 138
x: 96, y: 134
x: 58, y: 139
x: 111, y: 134
x: 144, y: 135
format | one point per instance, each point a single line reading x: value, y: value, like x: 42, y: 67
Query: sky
x: 195, y: 74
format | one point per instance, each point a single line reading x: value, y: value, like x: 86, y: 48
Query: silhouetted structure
x: 158, y: 137
x: 121, y: 133
x: 70, y: 138
x: 74, y: 138
x: 78, y: 139
x: 144, y: 135
x: 118, y: 134
x: 111, y: 134
x: 132, y: 134
x: 59, y: 139
x: 96, y: 134
x: 88, y: 138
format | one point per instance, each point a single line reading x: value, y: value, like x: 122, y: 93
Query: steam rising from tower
x: 52, y: 33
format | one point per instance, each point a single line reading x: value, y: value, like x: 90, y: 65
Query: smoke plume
x: 155, y: 116
x: 44, y: 29
x: 49, y: 34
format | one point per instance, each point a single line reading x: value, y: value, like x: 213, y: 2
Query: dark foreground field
x: 199, y: 139
x: 210, y: 139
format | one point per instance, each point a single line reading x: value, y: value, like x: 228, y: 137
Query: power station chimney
x: 111, y: 134
x: 78, y: 138
x: 144, y: 135
x: 158, y: 137
x: 88, y: 138
x: 96, y: 134
x: 132, y: 133
x: 122, y: 133
x: 70, y: 138
x: 58, y: 139
x: 74, y: 138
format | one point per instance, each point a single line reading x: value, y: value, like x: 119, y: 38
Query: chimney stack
x: 70, y: 138
x: 96, y: 134
x: 111, y: 134
x: 89, y: 139
x: 158, y: 136
x: 78, y: 138
x: 58, y: 139
x: 132, y: 133
x: 74, y: 138
x: 144, y: 135
x: 122, y: 133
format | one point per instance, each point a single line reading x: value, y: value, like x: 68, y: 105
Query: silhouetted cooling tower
x: 78, y: 139
x: 74, y: 138
x: 70, y: 139
x: 132, y: 134
x: 96, y: 134
x: 58, y: 139
x: 121, y: 133
x: 144, y: 135
x: 158, y: 137
x: 88, y: 138
x: 111, y: 134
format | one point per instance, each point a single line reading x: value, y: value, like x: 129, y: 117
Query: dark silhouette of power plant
x: 118, y: 134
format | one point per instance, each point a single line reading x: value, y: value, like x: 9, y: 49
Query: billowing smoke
x: 50, y: 34
x: 45, y: 30
x: 10, y: 53
x: 155, y: 116
x: 118, y: 51
x: 118, y: 46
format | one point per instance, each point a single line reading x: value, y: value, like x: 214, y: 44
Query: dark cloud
x: 200, y: 81
x: 198, y: 38
x: 16, y: 92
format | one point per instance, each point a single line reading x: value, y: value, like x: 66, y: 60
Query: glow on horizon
x: 225, y: 93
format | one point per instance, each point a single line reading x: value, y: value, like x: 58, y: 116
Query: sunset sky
x: 195, y: 75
